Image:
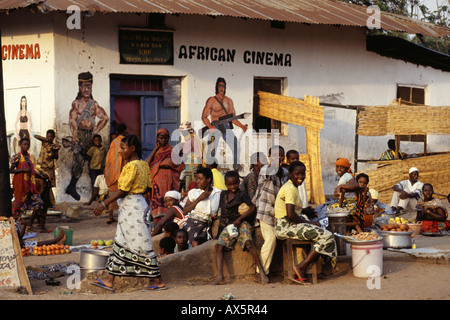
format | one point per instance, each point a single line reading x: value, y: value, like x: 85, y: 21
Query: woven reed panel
x: 307, y: 113
x: 403, y: 120
x: 313, y: 150
x: 432, y: 169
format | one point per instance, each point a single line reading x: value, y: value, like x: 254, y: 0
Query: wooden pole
x: 397, y: 147
x: 5, y: 188
x: 356, y: 141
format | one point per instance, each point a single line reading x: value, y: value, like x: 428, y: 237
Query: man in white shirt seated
x: 407, y: 192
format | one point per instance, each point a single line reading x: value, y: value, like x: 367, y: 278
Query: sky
x: 431, y: 4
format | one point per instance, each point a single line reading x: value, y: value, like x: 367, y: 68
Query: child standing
x: 230, y: 200
x: 97, y: 156
x: 49, y: 154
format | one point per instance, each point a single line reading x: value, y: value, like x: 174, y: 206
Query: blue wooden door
x: 153, y: 117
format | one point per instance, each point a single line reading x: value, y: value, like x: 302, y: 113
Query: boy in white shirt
x: 101, y: 190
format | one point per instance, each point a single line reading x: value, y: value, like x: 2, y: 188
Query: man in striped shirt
x: 271, y: 178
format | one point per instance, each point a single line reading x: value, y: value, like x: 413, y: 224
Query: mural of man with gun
x: 223, y: 115
x: 82, y: 125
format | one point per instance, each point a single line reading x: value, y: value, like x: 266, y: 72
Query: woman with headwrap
x: 346, y: 181
x: 174, y: 211
x: 347, y: 178
x: 165, y: 174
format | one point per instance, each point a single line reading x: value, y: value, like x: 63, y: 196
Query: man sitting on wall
x: 407, y: 192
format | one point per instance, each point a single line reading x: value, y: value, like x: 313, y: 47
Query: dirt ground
x: 404, y: 276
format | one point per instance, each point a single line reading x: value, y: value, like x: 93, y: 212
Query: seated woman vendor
x: 346, y: 179
x: 291, y: 224
x: 433, y: 213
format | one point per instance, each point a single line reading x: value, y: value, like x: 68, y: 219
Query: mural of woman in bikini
x: 23, y: 121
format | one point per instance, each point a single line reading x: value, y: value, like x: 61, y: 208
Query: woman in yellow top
x: 133, y: 253
x: 291, y: 224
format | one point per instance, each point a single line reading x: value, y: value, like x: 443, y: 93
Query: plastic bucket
x: 68, y: 232
x: 367, y: 259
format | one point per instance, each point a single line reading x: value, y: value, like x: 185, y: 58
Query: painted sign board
x: 141, y: 46
x: 12, y: 270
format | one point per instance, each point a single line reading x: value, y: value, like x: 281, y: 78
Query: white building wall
x: 327, y: 61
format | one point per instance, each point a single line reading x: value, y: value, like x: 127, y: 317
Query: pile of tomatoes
x: 46, y: 250
x: 26, y: 251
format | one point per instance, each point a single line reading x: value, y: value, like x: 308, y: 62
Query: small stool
x: 288, y: 259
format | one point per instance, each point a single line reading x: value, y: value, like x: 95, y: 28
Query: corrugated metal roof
x: 300, y: 11
x: 398, y: 48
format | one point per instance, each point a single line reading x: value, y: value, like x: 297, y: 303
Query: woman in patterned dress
x: 26, y: 196
x: 133, y: 253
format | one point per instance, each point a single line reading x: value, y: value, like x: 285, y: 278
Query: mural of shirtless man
x: 218, y: 106
x: 82, y: 118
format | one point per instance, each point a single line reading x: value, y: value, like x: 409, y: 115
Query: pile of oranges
x: 50, y: 249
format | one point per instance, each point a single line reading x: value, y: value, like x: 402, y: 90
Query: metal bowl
x: 361, y: 242
x: 94, y: 259
x: 337, y: 214
x: 396, y: 239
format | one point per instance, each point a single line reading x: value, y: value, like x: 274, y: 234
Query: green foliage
x: 414, y: 9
